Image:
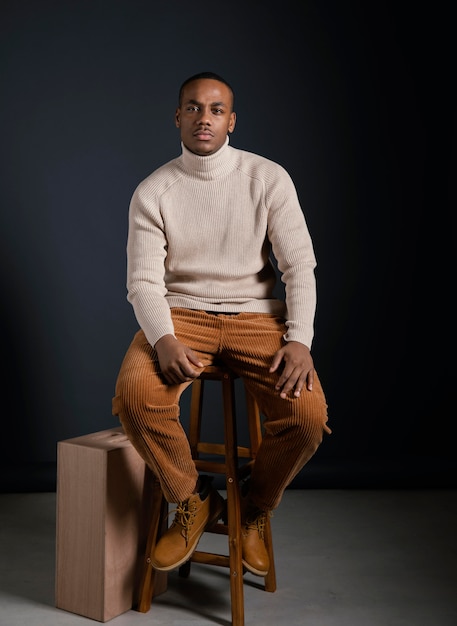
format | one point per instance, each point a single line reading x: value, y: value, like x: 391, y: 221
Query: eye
x: 218, y: 111
x: 192, y: 107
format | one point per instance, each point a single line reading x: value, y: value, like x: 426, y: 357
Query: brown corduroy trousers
x: 148, y: 408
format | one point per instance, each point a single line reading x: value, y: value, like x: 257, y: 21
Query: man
x: 202, y: 229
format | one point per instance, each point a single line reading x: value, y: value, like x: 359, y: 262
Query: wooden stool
x: 229, y: 452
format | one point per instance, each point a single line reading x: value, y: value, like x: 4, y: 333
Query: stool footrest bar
x: 210, y: 558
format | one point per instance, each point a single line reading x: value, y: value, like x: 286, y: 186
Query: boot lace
x: 184, y: 517
x: 256, y: 520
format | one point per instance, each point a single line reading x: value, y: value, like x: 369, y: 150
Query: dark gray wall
x: 355, y: 102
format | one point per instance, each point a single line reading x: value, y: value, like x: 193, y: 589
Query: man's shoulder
x: 161, y: 178
x: 255, y: 164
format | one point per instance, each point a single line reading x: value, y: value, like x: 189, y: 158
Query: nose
x: 204, y: 118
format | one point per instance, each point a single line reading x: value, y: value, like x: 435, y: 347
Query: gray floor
x: 343, y: 558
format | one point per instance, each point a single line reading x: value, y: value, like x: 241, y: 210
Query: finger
x: 188, y: 373
x: 302, y: 381
x: 310, y: 380
x: 179, y: 373
x: 282, y: 380
x: 171, y: 379
x: 193, y: 358
x: 276, y: 361
x: 288, y: 385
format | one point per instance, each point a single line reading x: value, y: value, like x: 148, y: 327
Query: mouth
x: 202, y: 133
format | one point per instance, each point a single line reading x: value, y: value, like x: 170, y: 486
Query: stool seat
x: 224, y: 458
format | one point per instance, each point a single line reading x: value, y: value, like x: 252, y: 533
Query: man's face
x: 205, y: 115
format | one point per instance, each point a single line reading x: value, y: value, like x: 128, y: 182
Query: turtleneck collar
x: 209, y: 167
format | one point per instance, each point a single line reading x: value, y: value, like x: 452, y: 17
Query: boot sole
x: 253, y: 570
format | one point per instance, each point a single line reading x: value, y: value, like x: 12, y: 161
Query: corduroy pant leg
x: 294, y: 427
x: 149, y: 410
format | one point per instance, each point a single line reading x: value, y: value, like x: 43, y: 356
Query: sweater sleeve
x: 293, y: 249
x: 146, y: 253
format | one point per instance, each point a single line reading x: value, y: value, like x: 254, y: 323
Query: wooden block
x: 102, y: 521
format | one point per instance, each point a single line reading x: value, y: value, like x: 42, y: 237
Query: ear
x: 177, y: 117
x: 232, y: 122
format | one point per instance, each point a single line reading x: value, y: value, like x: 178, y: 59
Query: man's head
x: 205, y: 112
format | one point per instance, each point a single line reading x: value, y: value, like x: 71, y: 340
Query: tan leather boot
x: 255, y: 555
x: 179, y: 542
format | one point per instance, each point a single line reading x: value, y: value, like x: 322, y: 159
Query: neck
x: 209, y: 166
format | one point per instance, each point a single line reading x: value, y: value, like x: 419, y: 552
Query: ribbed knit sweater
x: 201, y: 232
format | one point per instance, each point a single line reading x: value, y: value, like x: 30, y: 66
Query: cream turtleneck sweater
x: 201, y: 230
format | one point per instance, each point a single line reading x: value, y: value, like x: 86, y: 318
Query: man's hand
x: 176, y: 360
x: 298, y: 370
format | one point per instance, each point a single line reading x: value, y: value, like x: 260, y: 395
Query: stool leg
x: 270, y: 578
x: 255, y: 436
x: 152, y: 582
x: 233, y: 505
x: 184, y: 570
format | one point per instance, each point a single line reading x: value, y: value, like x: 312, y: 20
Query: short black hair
x: 210, y: 75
